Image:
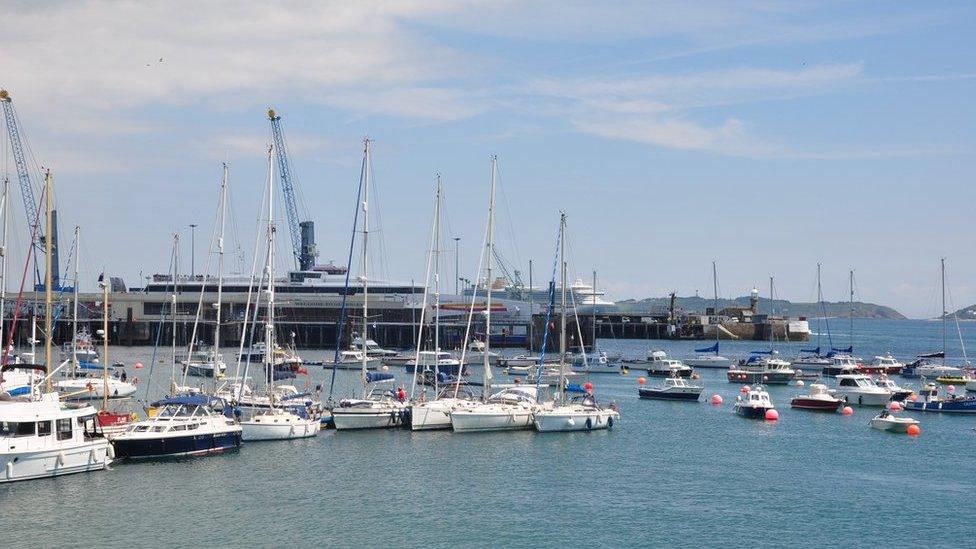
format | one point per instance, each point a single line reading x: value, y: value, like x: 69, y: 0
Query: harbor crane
x: 302, y: 232
x: 27, y: 193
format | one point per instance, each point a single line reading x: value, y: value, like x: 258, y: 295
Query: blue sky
x: 767, y: 136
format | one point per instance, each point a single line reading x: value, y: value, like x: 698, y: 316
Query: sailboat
x: 763, y: 366
x: 709, y: 357
x: 378, y: 408
x: 814, y: 358
x: 842, y: 361
x: 436, y: 413
x: 41, y: 436
x: 581, y: 413
x: 280, y: 421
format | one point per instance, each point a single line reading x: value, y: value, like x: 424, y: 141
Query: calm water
x: 669, y: 473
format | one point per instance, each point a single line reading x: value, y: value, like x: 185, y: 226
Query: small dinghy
x: 673, y: 388
x: 886, y: 421
x: 819, y: 399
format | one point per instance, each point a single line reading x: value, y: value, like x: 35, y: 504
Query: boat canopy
x: 375, y: 377
x: 940, y: 354
x: 815, y: 351
x: 712, y: 349
x: 762, y: 352
x: 184, y: 400
x: 575, y: 388
x: 848, y: 350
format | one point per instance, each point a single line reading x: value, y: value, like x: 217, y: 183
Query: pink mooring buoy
x: 772, y: 415
x: 847, y: 411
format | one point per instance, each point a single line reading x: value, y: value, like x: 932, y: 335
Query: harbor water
x: 668, y: 474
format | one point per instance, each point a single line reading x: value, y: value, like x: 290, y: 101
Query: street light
x: 193, y: 249
x: 456, y: 275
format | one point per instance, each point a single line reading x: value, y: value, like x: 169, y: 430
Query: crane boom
x: 302, y: 232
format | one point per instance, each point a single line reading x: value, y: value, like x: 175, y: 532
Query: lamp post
x: 457, y: 279
x: 193, y: 249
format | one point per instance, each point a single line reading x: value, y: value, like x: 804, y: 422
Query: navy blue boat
x: 755, y: 404
x: 185, y: 425
x: 674, y: 388
x: 929, y: 400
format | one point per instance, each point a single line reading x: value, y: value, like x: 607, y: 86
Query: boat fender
x: 589, y: 423
x: 610, y: 421
x: 61, y: 458
x: 10, y: 469
x: 92, y: 458
x: 110, y: 452
x: 571, y: 422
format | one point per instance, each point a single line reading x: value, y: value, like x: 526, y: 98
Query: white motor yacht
x: 509, y: 409
x: 372, y: 348
x: 861, y: 390
x: 660, y: 365
x: 437, y: 362
x: 353, y: 360
x: 204, y: 363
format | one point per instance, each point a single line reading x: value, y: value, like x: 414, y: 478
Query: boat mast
x: 437, y: 286
x: 770, y: 317
x: 851, y: 310
x: 220, y: 274
x: 269, y: 268
x: 715, y: 303
x: 365, y: 270
x: 104, y: 284
x: 944, y: 314
x: 489, y: 250
x: 562, y: 320
x: 820, y: 300
x: 3, y: 266
x: 74, y: 306
x: 176, y: 275
x: 48, y: 295
x: 593, y: 313
x: 531, y: 309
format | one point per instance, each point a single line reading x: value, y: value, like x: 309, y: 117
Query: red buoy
x: 137, y: 365
x: 744, y: 389
x: 847, y: 411
x: 914, y: 430
x: 895, y: 406
x: 641, y: 380
x: 772, y: 415
x: 588, y: 387
x: 716, y: 400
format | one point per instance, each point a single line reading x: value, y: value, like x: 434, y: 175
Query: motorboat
x: 81, y: 348
x: 862, y: 390
x: 378, y: 409
x: 600, y: 363
x: 672, y: 388
x: 373, y: 349
x: 353, y: 360
x: 509, y: 409
x: 204, y: 362
x: 883, y: 364
x: 182, y: 425
x: 524, y: 362
x: 41, y: 437
x: 754, y: 404
x: 923, y: 368
x: 762, y: 369
x: 581, y: 413
x: 658, y: 364
x: 886, y: 421
x: 819, y: 399
x: 841, y: 364
x: 434, y: 361
x: 436, y: 414
x: 476, y: 353
x: 930, y: 400
x: 284, y: 359
x: 279, y: 423
x: 898, y: 392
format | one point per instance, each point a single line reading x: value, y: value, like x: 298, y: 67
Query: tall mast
x: 562, y: 320
x: 269, y: 268
x: 3, y: 265
x: 820, y: 301
x: 74, y: 306
x: 437, y: 284
x: 593, y: 313
x: 489, y: 250
x: 851, y: 311
x: 48, y: 295
x: 104, y: 284
x: 172, y: 307
x: 770, y: 313
x: 531, y: 309
x: 220, y: 272
x: 944, y: 314
x: 715, y: 303
x: 365, y: 269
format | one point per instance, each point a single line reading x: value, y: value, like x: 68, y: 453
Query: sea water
x: 668, y: 474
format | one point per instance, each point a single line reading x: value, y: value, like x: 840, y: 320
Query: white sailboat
x: 40, y: 436
x: 278, y: 421
x: 581, y: 413
x: 709, y: 357
x: 378, y: 408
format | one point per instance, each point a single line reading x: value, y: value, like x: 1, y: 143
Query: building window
x: 64, y: 429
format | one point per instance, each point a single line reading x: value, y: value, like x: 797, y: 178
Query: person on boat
x: 401, y: 394
x: 123, y: 377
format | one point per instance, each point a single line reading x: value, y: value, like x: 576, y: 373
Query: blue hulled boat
x: 929, y: 400
x: 184, y: 425
x: 755, y: 404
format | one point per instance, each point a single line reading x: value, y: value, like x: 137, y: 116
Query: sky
x: 765, y: 136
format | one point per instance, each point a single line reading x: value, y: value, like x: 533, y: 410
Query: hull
x: 470, y: 422
x: 203, y: 370
x: 892, y: 426
x: 371, y: 364
x: 651, y: 393
x: 815, y: 404
x: 190, y: 445
x: 751, y: 412
x: 78, y: 389
x: 960, y: 406
x: 869, y: 399
x: 446, y: 369
x: 709, y: 362
x: 350, y: 419
x: 767, y: 378
x: 252, y: 431
x: 549, y: 422
x: 90, y: 456
x: 670, y: 373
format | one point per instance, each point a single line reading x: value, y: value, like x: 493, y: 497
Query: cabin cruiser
x: 436, y: 414
x: 819, y: 399
x: 526, y: 361
x: 754, y: 404
x: 897, y: 392
x: 182, y: 425
x: 81, y: 348
x: 883, y: 364
x: 284, y: 359
x: 886, y: 421
x: 372, y: 348
x: 434, y: 361
x: 862, y: 390
x: 379, y: 409
x: 476, y: 354
x: 581, y: 413
x: 929, y: 400
x: 659, y: 365
x: 840, y: 364
x: 673, y: 388
x: 595, y: 364
x: 204, y: 362
x: 352, y: 360
x: 761, y: 369
x: 509, y: 409
x: 40, y: 437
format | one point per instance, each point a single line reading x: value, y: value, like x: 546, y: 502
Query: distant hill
x: 966, y: 313
x: 779, y: 307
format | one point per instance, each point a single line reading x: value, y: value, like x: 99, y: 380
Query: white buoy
x: 799, y: 383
